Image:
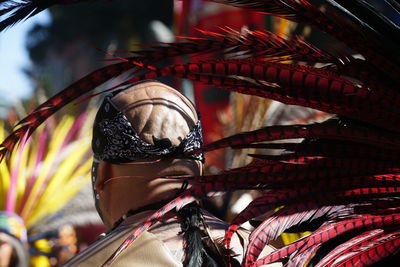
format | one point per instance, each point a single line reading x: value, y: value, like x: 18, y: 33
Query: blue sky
x: 13, y: 57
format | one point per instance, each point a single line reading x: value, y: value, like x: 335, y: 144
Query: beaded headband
x: 116, y: 141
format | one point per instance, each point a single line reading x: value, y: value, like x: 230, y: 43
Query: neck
x: 120, y: 188
x: 120, y: 197
x: 142, y: 210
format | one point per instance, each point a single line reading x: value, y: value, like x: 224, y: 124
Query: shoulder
x: 146, y: 250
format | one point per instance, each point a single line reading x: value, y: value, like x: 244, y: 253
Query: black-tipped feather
x: 196, y: 252
x: 18, y: 10
x: 371, y: 21
x: 394, y: 4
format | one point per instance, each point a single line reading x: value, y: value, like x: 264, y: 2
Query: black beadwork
x: 115, y: 140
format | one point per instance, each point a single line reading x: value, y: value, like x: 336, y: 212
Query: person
x: 13, y: 238
x: 141, y: 136
x: 341, y: 183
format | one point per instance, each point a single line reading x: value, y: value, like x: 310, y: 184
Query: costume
x: 187, y: 236
x: 37, y: 182
x: 162, y: 245
x: 341, y: 181
x: 13, y: 232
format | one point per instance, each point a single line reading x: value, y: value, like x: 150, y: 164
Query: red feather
x: 51, y: 106
x: 304, y: 85
x: 196, y: 192
x: 371, y: 251
x: 326, y: 233
x: 285, y: 218
x: 349, y: 245
x: 336, y: 26
x: 322, y: 194
x: 302, y: 259
x: 332, y: 129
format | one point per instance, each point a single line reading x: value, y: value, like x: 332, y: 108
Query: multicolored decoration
x: 43, y: 174
x: 13, y: 225
x: 46, y: 171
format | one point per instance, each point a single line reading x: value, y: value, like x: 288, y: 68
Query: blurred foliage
x: 99, y: 23
x: 65, y: 50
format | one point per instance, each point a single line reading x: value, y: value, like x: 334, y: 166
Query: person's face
x: 142, y: 183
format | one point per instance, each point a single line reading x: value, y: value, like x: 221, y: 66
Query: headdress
x: 342, y: 181
x: 115, y: 140
x: 32, y: 178
x: 42, y: 176
x: 13, y: 225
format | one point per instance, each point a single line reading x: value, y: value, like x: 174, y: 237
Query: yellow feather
x: 54, y: 200
x: 62, y: 172
x: 48, y: 164
x: 4, y: 172
x: 22, y: 174
x: 65, y: 172
x: 34, y: 151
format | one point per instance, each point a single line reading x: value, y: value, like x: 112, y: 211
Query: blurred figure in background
x: 13, y: 239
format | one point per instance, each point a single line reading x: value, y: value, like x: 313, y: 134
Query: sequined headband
x: 116, y: 141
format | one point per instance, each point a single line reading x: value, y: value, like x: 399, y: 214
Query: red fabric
x: 89, y: 233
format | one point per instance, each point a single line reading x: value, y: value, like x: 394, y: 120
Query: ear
x: 104, y: 172
x: 201, y: 166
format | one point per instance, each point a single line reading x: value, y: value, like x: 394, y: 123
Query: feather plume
x: 343, y: 178
x: 331, y: 129
x: 288, y: 216
x: 394, y: 4
x: 19, y: 10
x: 350, y: 245
x: 371, y: 251
x: 334, y: 230
x: 295, y: 84
x: 39, y: 169
x: 332, y: 23
x: 364, y: 14
x: 302, y: 259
